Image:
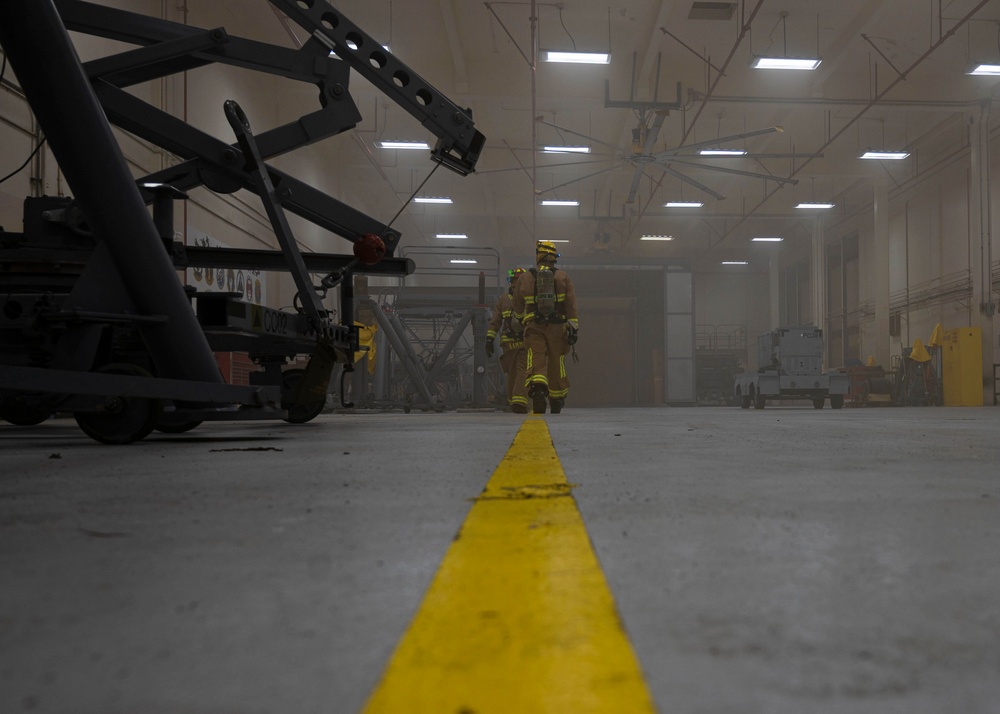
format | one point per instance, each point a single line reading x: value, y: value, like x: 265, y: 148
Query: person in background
x: 545, y: 302
x: 513, y: 357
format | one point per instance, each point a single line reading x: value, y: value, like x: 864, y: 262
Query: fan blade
x: 581, y: 178
x: 541, y: 166
x: 576, y: 133
x: 688, y: 179
x: 722, y: 169
x: 639, y: 171
x: 721, y: 140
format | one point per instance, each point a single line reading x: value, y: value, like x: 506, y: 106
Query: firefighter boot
x: 538, y: 393
x: 556, y: 405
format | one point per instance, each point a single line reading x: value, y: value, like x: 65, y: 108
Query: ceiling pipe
x: 902, y: 77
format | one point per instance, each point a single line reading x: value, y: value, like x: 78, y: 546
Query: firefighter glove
x: 571, y: 333
x: 490, y: 347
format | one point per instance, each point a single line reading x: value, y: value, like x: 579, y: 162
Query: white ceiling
x: 891, y: 77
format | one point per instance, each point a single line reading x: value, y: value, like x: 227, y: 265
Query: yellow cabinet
x: 962, y: 367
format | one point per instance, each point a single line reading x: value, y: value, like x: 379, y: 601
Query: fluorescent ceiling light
x: 556, y: 240
x: 560, y: 203
x: 722, y: 152
x: 656, y: 238
x: 432, y: 199
x: 556, y: 149
x: 810, y: 204
x: 683, y: 204
x: 463, y: 260
x: 884, y: 155
x: 806, y: 63
x: 576, y: 57
x: 984, y: 69
x: 735, y: 262
x: 452, y: 236
x: 762, y: 239
x: 403, y: 145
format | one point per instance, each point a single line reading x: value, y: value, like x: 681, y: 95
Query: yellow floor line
x: 519, y: 618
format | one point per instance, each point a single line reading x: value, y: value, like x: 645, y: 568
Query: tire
x: 18, y: 413
x: 759, y: 402
x: 744, y: 401
x: 298, y: 413
x: 818, y: 402
x: 124, y: 419
x: 177, y: 428
x: 836, y: 401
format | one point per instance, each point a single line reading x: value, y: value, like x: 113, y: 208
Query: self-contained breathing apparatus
x: 545, y: 294
x: 546, y: 311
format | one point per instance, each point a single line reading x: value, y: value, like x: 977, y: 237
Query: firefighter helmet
x: 546, y: 248
x: 513, y: 273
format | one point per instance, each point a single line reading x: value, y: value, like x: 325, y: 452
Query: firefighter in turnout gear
x: 545, y: 302
x: 513, y: 356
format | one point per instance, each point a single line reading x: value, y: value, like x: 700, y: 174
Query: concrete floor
x: 788, y: 560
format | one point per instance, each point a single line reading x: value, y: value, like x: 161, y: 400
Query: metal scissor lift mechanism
x: 81, y: 329
x: 438, y: 338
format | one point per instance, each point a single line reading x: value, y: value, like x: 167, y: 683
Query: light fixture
x: 464, y: 261
x: 554, y: 202
x: 558, y: 240
x: 764, y: 239
x: 813, y: 204
x: 722, y: 152
x: 799, y: 63
x: 783, y: 61
x: 683, y: 204
x: 652, y: 237
x: 735, y: 262
x: 556, y: 149
x: 984, y: 69
x: 884, y: 155
x: 575, y: 57
x: 411, y: 145
x: 432, y: 199
x: 452, y: 236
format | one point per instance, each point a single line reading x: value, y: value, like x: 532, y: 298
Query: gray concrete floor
x: 788, y: 560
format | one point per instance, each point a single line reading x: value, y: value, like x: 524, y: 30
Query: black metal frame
x: 75, y: 303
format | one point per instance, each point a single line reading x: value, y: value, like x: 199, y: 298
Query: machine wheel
x: 743, y: 400
x: 124, y: 419
x: 836, y: 401
x: 20, y: 414
x: 177, y: 428
x: 818, y: 402
x: 291, y: 379
x: 758, y: 400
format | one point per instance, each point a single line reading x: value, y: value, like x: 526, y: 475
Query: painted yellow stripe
x: 519, y: 618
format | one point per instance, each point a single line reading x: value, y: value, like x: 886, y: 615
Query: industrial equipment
x: 871, y: 385
x: 94, y: 320
x: 432, y: 334
x: 720, y: 354
x: 790, y: 366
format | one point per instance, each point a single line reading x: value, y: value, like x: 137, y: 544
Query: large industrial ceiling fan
x: 674, y: 161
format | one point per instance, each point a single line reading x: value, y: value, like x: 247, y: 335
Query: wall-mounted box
x: 962, y: 367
